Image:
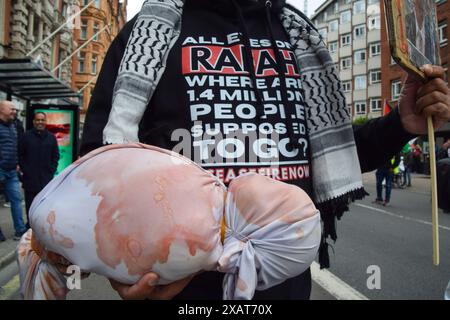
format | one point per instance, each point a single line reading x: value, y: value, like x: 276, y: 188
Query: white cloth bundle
x: 125, y: 210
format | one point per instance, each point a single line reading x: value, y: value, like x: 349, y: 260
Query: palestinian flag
x: 387, y: 108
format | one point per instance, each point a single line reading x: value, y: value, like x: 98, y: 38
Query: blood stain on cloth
x: 65, y: 242
x: 143, y: 209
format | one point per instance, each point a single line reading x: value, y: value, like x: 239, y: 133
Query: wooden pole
x: 434, y: 203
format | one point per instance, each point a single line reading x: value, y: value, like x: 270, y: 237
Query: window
x: 346, y: 63
x: 336, y: 7
x: 346, y: 16
x: 360, y: 56
x: 359, y: 6
x: 96, y: 29
x: 396, y: 88
x: 443, y: 33
x: 60, y: 59
x: 375, y: 104
x: 346, y: 40
x: 360, y: 31
x: 360, y: 82
x: 323, y: 32
x: 94, y: 64
x: 346, y: 86
x: 63, y: 10
x: 83, y: 32
x: 375, y: 49
x: 360, y: 107
x: 336, y: 66
x: 36, y: 33
x: 81, y: 61
x: 373, y: 1
x: 374, y: 23
x: 375, y: 76
x: 333, y: 46
x: 334, y: 25
x: 97, y: 3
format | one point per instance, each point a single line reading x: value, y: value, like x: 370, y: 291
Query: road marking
x: 10, y: 289
x: 334, y: 285
x: 399, y: 215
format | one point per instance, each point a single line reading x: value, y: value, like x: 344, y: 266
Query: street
x: 396, y: 239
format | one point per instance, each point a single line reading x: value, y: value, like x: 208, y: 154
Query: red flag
x: 387, y: 108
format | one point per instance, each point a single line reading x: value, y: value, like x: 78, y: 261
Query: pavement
x: 9, y: 280
x: 396, y: 241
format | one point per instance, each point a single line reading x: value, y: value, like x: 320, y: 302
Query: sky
x: 135, y: 5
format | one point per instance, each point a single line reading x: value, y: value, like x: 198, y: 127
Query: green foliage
x: 360, y: 120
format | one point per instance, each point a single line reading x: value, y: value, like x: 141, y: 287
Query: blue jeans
x: 407, y: 176
x: 382, y: 174
x: 10, y: 181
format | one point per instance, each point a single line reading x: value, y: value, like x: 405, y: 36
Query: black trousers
x: 29, y: 197
x: 208, y: 286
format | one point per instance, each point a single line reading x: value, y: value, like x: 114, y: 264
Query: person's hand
x: 147, y: 288
x: 420, y: 100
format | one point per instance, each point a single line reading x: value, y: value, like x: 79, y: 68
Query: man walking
x: 9, y: 166
x: 38, y: 158
x: 386, y: 172
x: 20, y: 131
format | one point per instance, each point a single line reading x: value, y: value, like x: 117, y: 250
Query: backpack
x: 443, y: 182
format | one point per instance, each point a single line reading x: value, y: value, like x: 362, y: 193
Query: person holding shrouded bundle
x: 163, y: 213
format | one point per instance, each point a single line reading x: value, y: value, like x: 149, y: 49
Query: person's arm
x: 100, y: 104
x: 380, y: 139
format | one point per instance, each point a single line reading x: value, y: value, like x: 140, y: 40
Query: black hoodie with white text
x: 233, y: 103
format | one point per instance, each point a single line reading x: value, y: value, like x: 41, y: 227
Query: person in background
x: 9, y: 166
x: 20, y: 131
x: 38, y: 158
x: 444, y: 152
x: 18, y: 124
x: 408, y: 163
x: 386, y: 172
x: 417, y: 161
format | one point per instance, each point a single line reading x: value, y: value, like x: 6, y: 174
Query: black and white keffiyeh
x: 336, y: 173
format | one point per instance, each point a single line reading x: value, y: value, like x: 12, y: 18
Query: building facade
x: 24, y: 24
x: 98, y: 26
x: 352, y: 32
